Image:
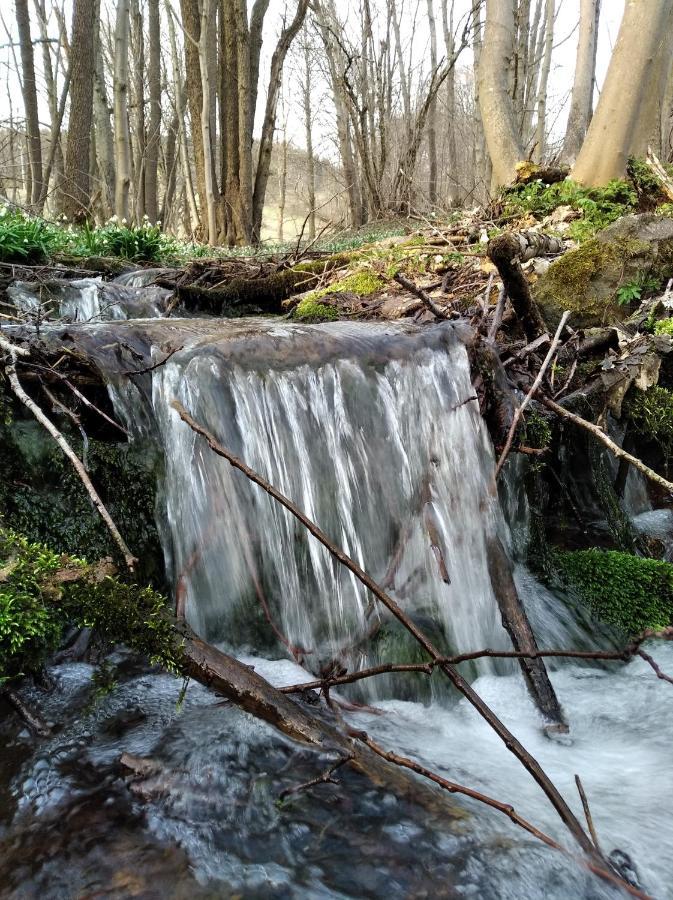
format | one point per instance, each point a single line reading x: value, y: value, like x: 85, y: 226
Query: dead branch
x: 587, y: 813
x: 600, y: 435
x: 507, y: 251
x: 529, y: 396
x: 427, y: 668
x: 422, y: 295
x: 12, y: 352
x: 463, y: 686
x: 453, y: 788
x: 664, y: 181
x: 162, y: 362
x: 32, y: 719
x: 324, y: 778
x: 497, y: 315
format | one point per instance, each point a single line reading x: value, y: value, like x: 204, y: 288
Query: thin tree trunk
x: 191, y: 24
x: 154, y: 132
x: 308, y: 132
x: 269, y: 126
x: 432, y: 111
x: 541, y: 127
x: 139, y: 130
x: 103, y: 131
x: 33, y: 137
x: 122, y: 141
x: 581, y: 102
x: 206, y: 138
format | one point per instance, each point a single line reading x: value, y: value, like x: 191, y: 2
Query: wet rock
x: 587, y: 280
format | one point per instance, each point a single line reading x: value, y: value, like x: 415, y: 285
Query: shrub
x: 651, y: 414
x: 27, y: 239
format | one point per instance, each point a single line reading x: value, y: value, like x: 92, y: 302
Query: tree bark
x: 121, y: 125
x: 541, y: 127
x: 33, y: 137
x: 432, y: 111
x: 581, y: 102
x: 191, y: 24
x: 633, y: 66
x: 76, y: 198
x: 495, y: 101
x: 154, y: 131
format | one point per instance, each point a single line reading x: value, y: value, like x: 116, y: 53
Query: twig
x: 648, y: 659
x: 10, y: 369
x: 325, y: 778
x: 462, y: 685
x: 32, y: 719
x: 536, y: 384
x: 427, y: 668
x: 587, y: 813
x: 615, y: 449
x: 422, y: 295
x: 453, y: 788
x: 162, y: 362
x: 497, y: 316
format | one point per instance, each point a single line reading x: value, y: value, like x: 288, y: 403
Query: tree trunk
x: 269, y: 126
x: 33, y: 137
x: 633, y: 65
x: 541, y: 127
x: 138, y: 131
x: 121, y: 125
x: 432, y: 111
x: 308, y: 132
x: 191, y: 24
x: 581, y: 102
x: 76, y: 197
x: 154, y: 132
x: 495, y: 101
x: 103, y: 131
x: 647, y: 131
x: 206, y: 138
x: 482, y: 161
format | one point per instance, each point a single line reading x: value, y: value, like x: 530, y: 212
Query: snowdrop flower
x: 124, y: 222
x: 112, y: 219
x: 158, y: 223
x: 146, y: 218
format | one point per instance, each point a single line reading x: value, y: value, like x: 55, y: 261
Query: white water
x: 377, y: 447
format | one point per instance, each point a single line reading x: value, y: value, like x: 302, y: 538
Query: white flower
x: 113, y: 219
x: 124, y: 222
x: 158, y: 223
x: 146, y: 218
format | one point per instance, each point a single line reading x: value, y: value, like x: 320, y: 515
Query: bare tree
x: 581, y: 102
x: 121, y: 125
x: 154, y: 130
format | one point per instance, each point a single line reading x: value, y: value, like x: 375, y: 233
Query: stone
x: 587, y: 280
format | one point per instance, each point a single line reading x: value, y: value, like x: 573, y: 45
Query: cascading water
x: 391, y: 458
x: 370, y: 429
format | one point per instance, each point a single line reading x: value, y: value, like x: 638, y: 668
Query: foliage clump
x: 42, y: 593
x: 537, y: 431
x: 598, y: 207
x: 621, y: 589
x: 138, y: 243
x: 310, y: 310
x: 664, y: 326
x: 26, y: 239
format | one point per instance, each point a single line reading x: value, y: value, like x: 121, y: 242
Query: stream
x: 371, y: 429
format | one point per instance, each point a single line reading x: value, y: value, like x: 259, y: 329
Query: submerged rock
x: 587, y: 280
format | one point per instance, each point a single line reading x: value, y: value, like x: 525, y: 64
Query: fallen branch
x: 422, y: 295
x: 12, y: 353
x: 587, y: 813
x: 507, y: 251
x: 325, y: 778
x: 427, y: 668
x: 453, y: 788
x: 529, y: 396
x: 162, y: 362
x: 32, y: 719
x: 662, y: 178
x: 614, y: 448
x: 462, y: 685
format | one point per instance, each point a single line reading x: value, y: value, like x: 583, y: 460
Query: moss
x: 651, y: 415
x: 664, y: 326
x: 42, y: 497
x: 623, y: 590
x: 309, y: 310
x: 587, y: 280
x: 537, y: 431
x: 42, y: 592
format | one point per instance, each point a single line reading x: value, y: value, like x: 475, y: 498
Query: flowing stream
x: 372, y: 430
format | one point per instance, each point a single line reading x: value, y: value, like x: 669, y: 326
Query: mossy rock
x: 587, y: 280
x: 621, y: 589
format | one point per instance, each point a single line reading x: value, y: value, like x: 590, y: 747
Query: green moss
x: 309, y: 310
x: 42, y: 592
x: 664, y: 326
x: 623, y: 590
x: 42, y: 497
x: 651, y: 415
x: 537, y: 431
x: 587, y: 280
